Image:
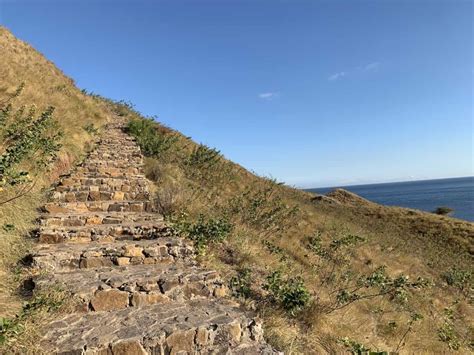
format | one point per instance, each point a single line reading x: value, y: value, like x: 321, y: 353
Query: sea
x: 425, y: 195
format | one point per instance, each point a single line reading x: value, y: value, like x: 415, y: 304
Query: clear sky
x: 313, y: 93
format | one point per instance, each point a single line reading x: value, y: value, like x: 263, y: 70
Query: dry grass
x: 45, y: 85
x: 408, y: 242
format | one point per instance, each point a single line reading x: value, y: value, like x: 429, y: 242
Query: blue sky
x: 313, y: 93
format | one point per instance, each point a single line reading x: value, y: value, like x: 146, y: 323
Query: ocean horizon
x: 426, y: 195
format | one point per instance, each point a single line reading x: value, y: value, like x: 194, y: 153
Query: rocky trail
x: 138, y: 287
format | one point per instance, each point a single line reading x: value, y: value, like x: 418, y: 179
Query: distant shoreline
x: 383, y: 183
x: 425, y: 195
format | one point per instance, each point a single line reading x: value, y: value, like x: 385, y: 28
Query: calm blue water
x: 457, y: 193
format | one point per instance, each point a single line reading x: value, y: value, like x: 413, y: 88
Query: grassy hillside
x: 327, y: 274
x: 44, y: 85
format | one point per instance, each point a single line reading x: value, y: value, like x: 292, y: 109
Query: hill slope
x: 326, y: 274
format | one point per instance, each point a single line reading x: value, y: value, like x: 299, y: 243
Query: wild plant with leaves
x: 29, y: 142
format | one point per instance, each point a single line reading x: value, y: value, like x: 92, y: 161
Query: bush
x: 152, y: 141
x: 89, y: 128
x: 291, y: 293
x: 443, y: 210
x: 461, y: 279
x: 262, y: 209
x: 168, y: 199
x: 29, y: 143
x: 240, y: 284
x: 203, y: 231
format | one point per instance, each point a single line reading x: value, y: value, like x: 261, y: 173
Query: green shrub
x: 240, y: 283
x: 152, y: 141
x: 290, y: 292
x: 378, y: 284
x: 447, y: 334
x: 262, y: 209
x: 89, y: 128
x: 461, y: 279
x: 443, y: 210
x: 29, y: 143
x: 203, y: 231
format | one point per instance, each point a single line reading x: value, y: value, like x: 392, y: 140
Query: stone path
x: 139, y: 289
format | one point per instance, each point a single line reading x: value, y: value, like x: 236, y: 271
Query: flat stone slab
x: 96, y: 218
x: 104, y: 232
x: 136, y: 285
x: 69, y: 256
x: 195, y: 327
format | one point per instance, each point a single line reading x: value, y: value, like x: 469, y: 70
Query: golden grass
x: 408, y: 242
x: 45, y: 85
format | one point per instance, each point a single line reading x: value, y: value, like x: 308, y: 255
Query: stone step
x: 117, y: 175
x: 95, y: 218
x: 104, y: 232
x: 107, y: 171
x: 71, y: 256
x: 198, y: 326
x: 108, y: 289
x: 85, y: 182
x: 99, y: 206
x: 104, y: 193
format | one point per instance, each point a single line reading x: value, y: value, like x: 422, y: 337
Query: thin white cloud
x: 371, y: 66
x: 268, y: 95
x: 337, y: 76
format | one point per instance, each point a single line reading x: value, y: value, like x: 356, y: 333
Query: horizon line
x: 382, y: 183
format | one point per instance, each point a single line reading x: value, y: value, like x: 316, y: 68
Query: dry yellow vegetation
x: 352, y: 275
x: 44, y: 85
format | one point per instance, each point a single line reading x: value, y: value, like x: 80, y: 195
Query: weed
x: 90, y: 128
x: 151, y: 142
x: 240, y: 283
x: 461, y: 279
x: 46, y: 302
x: 204, y: 231
x: 262, y: 209
x: 290, y: 292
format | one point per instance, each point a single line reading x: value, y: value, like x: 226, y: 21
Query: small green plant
x: 447, y: 334
x: 461, y: 279
x: 345, y: 241
x: 204, y: 230
x: 89, y: 128
x: 240, y: 283
x: 8, y: 227
x: 46, y: 302
x: 443, y: 210
x: 378, y: 284
x: 290, y: 292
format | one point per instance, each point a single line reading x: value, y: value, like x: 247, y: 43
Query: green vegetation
x: 443, y: 210
x: 203, y: 231
x: 146, y: 133
x: 461, y: 279
x: 17, y: 334
x: 290, y: 292
x: 29, y: 144
x: 240, y: 284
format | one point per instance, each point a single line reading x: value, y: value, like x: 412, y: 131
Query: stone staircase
x: 138, y: 287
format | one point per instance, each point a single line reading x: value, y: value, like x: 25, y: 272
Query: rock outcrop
x: 138, y: 287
